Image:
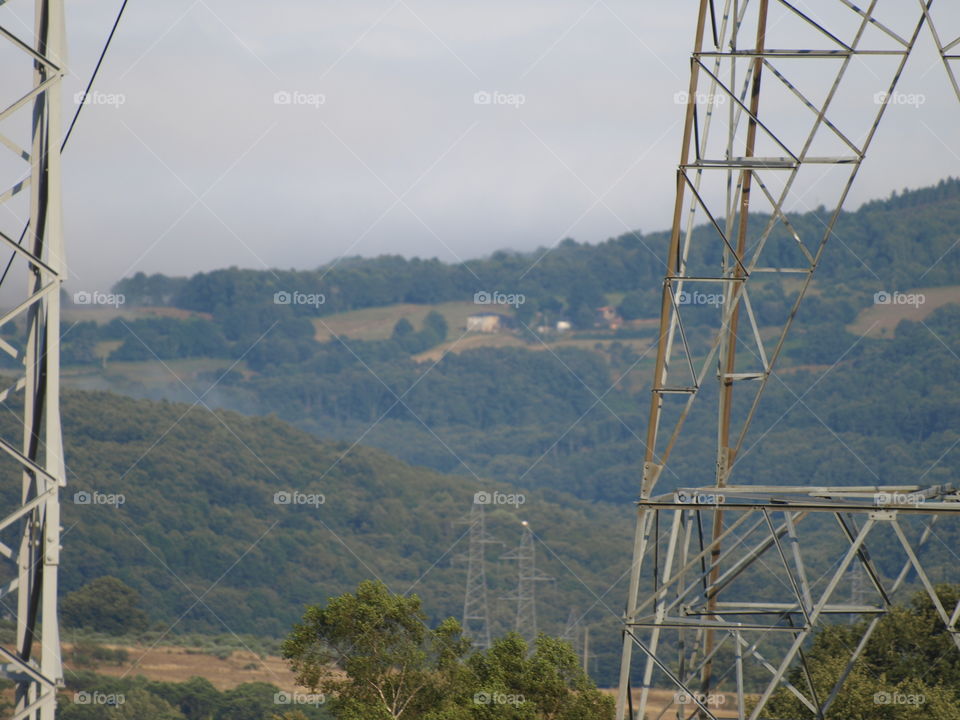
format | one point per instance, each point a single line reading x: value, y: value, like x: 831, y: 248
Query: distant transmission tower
x: 30, y: 127
x: 527, y: 578
x: 476, y: 612
x: 783, y: 102
x: 573, y: 632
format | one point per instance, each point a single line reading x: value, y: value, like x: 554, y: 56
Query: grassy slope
x: 880, y: 321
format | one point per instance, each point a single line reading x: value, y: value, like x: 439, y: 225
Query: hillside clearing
x: 880, y: 321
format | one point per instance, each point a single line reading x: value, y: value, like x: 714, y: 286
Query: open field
x: 660, y: 701
x: 143, y: 375
x: 880, y: 321
x: 505, y: 339
x: 179, y: 664
x: 377, y: 323
x: 102, y: 314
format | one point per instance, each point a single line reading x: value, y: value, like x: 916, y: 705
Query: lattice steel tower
x: 784, y: 99
x: 476, y: 610
x: 30, y: 286
x: 527, y: 578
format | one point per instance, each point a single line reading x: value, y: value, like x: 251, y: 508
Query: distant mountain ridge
x: 899, y: 236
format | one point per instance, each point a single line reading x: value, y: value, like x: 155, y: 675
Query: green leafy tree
x: 374, y: 655
x: 909, y: 669
x: 636, y: 305
x: 196, y: 698
x: 142, y: 705
x: 248, y: 701
x: 436, y: 322
x: 547, y: 684
x: 402, y: 328
x: 106, y: 605
x: 137, y: 704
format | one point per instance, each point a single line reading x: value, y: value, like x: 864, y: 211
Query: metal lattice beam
x: 31, y: 527
x: 762, y: 130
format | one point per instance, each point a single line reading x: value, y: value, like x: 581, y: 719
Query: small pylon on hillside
x: 476, y: 612
x: 527, y: 578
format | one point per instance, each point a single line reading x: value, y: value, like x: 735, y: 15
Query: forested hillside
x: 897, y: 239
x: 546, y: 413
x: 182, y: 504
x: 200, y: 535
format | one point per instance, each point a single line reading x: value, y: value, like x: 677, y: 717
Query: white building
x: 486, y: 323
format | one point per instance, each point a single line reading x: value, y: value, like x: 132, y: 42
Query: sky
x: 290, y: 133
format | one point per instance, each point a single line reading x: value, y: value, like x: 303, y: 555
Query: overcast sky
x: 382, y: 147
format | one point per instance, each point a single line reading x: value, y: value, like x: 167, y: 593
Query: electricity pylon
x: 571, y: 631
x: 528, y: 576
x: 762, y: 130
x: 30, y: 127
x: 476, y: 611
